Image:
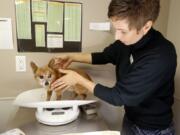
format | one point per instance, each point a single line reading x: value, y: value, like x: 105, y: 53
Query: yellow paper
x: 40, y: 35
x: 23, y: 19
x: 55, y: 17
x: 72, y: 22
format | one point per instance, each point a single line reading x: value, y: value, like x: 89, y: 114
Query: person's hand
x: 69, y: 79
x: 62, y: 62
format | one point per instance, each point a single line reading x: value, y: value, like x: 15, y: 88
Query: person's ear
x: 147, y: 27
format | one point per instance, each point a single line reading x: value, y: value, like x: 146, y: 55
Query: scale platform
x: 50, y: 112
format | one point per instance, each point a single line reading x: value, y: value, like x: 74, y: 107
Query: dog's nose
x: 46, y: 83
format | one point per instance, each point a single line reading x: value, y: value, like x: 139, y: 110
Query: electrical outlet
x: 20, y: 63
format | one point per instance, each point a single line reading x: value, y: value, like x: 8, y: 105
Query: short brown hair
x: 137, y: 12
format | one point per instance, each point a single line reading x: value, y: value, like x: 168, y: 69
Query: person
x: 145, y: 83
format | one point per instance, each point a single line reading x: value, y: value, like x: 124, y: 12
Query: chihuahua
x: 46, y: 75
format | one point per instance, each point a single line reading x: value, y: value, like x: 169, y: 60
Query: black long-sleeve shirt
x: 146, y: 86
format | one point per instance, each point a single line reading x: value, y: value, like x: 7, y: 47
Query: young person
x: 145, y: 86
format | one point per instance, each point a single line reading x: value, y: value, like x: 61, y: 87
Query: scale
x: 57, y: 116
x: 50, y: 112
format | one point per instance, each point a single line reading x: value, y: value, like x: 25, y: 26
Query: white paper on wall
x: 6, y: 38
x: 103, y: 26
x: 55, y: 41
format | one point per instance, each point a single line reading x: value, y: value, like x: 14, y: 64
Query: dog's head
x: 44, y: 75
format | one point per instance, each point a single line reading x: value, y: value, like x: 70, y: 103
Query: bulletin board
x: 48, y: 26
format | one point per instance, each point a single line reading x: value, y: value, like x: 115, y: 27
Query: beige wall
x: 162, y: 20
x: 12, y: 82
x: 173, y: 33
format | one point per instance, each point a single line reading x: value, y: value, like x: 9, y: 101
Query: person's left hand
x: 69, y: 79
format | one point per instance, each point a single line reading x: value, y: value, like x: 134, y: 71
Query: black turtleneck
x: 146, y: 86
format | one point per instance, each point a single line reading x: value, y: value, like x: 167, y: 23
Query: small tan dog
x: 46, y: 75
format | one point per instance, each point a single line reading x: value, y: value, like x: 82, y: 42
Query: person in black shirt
x: 145, y: 68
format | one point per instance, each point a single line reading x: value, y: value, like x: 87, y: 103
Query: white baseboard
x: 7, y: 98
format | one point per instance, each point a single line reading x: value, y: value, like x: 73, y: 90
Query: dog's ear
x: 34, y: 67
x: 51, y: 63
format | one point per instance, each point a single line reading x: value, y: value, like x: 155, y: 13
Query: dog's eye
x: 49, y: 76
x: 41, y: 77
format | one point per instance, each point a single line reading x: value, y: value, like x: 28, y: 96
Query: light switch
x: 20, y: 63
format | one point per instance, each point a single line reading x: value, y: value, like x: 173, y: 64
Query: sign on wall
x: 6, y: 39
x: 48, y: 26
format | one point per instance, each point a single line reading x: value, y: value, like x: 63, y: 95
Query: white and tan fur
x: 47, y: 74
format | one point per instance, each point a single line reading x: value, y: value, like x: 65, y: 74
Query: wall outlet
x: 20, y: 63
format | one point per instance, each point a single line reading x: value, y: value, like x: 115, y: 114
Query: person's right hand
x: 62, y: 61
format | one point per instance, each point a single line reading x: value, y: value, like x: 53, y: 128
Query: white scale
x: 59, y: 112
